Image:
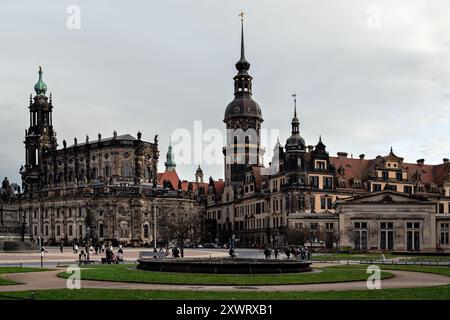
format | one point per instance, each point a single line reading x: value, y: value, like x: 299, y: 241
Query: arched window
x: 107, y: 171
x: 127, y: 170
x: 101, y: 230
x: 94, y: 173
x: 145, y: 230
x: 149, y: 174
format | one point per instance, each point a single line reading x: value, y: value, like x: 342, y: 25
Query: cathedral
x: 108, y: 189
x: 102, y: 190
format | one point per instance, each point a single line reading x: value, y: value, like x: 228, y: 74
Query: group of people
x: 301, y: 253
x: 175, y: 252
x: 97, y: 248
x: 111, y: 257
x: 86, y: 250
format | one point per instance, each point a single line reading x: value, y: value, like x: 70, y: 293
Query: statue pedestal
x: 13, y: 236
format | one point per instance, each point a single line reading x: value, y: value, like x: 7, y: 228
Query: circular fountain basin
x: 224, y: 265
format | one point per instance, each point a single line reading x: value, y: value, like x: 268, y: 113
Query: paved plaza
x: 54, y: 257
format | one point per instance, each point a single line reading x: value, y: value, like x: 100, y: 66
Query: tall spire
x: 294, y: 95
x: 295, y: 122
x: 40, y: 87
x: 170, y: 163
x: 242, y: 65
x: 242, y: 36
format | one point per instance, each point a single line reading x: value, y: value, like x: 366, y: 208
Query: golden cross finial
x: 242, y: 15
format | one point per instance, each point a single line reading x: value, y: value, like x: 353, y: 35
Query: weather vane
x: 242, y: 15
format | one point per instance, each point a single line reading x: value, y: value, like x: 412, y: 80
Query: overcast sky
x: 369, y: 74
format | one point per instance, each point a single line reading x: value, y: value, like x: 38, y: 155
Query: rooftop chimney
x: 342, y: 154
x: 361, y: 156
x: 445, y: 160
x: 310, y: 148
x: 420, y: 162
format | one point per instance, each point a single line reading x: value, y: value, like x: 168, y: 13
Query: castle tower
x: 40, y: 138
x: 199, y: 175
x: 243, y: 120
x: 295, y: 165
x: 170, y: 159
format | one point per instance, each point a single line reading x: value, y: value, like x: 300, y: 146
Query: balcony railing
x: 14, y: 230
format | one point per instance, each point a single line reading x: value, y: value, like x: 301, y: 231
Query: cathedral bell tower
x: 243, y: 120
x: 40, y: 139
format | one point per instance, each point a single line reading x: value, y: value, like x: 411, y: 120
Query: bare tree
x: 185, y: 225
x: 297, y: 235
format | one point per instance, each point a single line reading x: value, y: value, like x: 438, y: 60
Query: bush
x: 348, y: 250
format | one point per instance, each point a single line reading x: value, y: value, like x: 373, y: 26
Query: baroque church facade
x: 100, y: 190
x: 309, y: 196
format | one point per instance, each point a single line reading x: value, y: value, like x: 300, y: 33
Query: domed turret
x: 243, y: 105
x: 40, y: 87
x: 295, y: 141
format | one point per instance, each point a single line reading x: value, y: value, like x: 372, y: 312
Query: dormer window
x: 356, y: 184
x: 320, y: 165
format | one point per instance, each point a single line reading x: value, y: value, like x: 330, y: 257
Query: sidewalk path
x: 53, y: 255
x: 49, y: 280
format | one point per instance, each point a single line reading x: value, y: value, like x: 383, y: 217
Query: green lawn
x: 425, y: 258
x: 427, y: 269
x: 4, y: 270
x: 347, y: 256
x: 373, y: 256
x: 432, y: 293
x: 124, y: 274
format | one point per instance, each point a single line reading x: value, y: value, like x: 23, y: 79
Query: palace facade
x: 309, y: 196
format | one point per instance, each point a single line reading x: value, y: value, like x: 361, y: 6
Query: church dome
x: 243, y: 106
x: 40, y: 87
x: 295, y: 141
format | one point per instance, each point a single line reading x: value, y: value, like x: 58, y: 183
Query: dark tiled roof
x: 123, y: 137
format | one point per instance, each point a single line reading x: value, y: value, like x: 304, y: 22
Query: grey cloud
x: 157, y: 66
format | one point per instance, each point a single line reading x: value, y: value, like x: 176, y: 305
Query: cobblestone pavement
x: 49, y: 280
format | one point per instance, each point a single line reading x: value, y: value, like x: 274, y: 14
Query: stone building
x: 102, y: 190
x: 324, y: 199
x: 108, y: 189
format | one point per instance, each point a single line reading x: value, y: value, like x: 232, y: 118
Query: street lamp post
x: 42, y: 257
x: 154, y: 226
